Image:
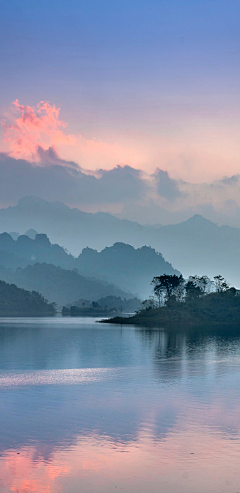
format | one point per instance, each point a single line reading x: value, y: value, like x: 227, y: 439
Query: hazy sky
x: 152, y: 84
x: 146, y: 84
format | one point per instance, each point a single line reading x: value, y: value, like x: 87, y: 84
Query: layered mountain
x: 60, y: 285
x: 71, y: 228
x: 128, y: 268
x: 193, y: 246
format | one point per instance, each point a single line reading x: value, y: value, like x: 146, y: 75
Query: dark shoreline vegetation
x: 103, y: 307
x: 17, y: 302
x: 75, y: 311
x: 195, y: 301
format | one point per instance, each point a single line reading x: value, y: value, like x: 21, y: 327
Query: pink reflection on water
x: 192, y: 460
x: 21, y: 474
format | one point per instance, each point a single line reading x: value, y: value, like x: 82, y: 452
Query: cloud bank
x: 55, y: 179
x: 34, y: 167
x: 28, y: 129
x: 123, y: 190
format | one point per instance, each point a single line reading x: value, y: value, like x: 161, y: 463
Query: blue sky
x: 158, y: 79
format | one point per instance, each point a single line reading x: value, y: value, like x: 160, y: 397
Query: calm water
x: 91, y: 408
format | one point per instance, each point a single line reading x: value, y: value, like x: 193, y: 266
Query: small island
x: 194, y: 301
x: 17, y: 302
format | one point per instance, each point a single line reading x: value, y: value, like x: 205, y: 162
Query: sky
x: 137, y: 85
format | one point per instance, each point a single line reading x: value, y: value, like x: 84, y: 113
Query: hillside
x: 60, y: 285
x: 19, y: 302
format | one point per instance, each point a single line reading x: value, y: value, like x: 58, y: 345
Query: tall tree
x: 166, y: 286
x: 220, y: 284
x: 197, y: 286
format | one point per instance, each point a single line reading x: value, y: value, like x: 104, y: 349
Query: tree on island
x: 220, y: 284
x: 167, y: 286
x: 196, y: 286
x: 196, y: 300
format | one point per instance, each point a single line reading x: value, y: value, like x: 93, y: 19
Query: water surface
x: 95, y: 408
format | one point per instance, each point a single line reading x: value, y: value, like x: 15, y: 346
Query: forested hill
x: 19, y: 302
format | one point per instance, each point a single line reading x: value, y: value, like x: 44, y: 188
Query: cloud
x: 123, y: 182
x: 231, y: 180
x: 166, y: 186
x: 122, y: 190
x: 31, y: 127
x: 34, y: 166
x: 55, y: 179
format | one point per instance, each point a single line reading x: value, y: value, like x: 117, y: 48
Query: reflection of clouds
x: 188, y: 460
x: 21, y: 473
x: 157, y: 395
x: 57, y: 377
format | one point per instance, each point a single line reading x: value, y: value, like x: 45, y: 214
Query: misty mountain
x: 124, y: 266
x: 31, y: 233
x: 120, y: 264
x: 24, y: 251
x: 60, y: 285
x: 14, y: 235
x: 200, y: 246
x: 193, y: 246
x: 71, y: 228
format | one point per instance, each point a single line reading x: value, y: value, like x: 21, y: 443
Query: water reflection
x: 92, y: 408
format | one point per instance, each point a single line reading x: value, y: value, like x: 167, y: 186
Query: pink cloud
x: 29, y: 129
x: 36, y: 126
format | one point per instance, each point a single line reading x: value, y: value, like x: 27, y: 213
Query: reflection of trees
x: 181, y: 352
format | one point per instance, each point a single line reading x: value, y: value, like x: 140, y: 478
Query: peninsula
x: 197, y: 300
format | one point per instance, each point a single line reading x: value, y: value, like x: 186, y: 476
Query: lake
x: 94, y: 408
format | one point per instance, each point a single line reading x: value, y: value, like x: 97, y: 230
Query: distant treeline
x: 19, y: 302
x: 195, y: 300
x: 109, y: 305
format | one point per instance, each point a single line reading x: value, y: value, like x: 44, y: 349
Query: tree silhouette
x: 220, y: 284
x: 197, y: 286
x: 166, y: 286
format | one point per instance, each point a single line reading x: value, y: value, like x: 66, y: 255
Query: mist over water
x: 94, y: 408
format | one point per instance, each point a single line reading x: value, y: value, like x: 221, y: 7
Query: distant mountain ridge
x: 193, y: 246
x: 24, y: 251
x: 70, y: 228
